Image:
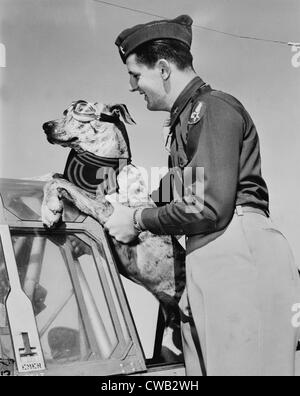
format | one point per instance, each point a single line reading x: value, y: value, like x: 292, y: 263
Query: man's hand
x: 120, y: 224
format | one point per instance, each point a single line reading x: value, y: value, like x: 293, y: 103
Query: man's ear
x: 122, y: 111
x: 164, y: 68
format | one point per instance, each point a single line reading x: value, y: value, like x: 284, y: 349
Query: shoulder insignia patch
x: 197, y: 114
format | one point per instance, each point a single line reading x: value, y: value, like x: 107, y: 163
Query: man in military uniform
x: 241, y: 278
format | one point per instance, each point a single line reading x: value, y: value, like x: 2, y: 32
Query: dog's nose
x: 48, y: 126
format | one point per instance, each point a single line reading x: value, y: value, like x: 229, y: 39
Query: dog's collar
x: 96, y: 160
x: 88, y: 171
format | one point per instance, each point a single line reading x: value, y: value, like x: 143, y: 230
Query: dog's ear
x: 123, y: 112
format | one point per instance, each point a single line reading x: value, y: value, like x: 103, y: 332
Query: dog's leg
x: 57, y: 189
x: 133, y: 190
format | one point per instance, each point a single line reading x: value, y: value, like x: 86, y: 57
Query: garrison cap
x: 179, y: 28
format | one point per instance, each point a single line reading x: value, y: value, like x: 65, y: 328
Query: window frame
x: 127, y: 357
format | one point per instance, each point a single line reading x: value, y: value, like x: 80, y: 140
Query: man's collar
x: 184, y: 98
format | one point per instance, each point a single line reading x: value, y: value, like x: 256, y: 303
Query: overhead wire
x: 244, y: 37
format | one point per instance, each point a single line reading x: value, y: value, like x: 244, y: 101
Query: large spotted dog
x: 99, y: 141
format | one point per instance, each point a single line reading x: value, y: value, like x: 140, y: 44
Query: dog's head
x: 92, y: 127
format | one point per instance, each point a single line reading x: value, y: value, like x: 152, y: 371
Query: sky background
x: 63, y: 50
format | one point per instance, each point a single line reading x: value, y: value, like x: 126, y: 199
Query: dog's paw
x: 51, y: 211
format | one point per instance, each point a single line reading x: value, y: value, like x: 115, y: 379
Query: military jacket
x: 214, y: 164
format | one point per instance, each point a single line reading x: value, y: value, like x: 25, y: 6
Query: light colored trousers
x: 240, y: 291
